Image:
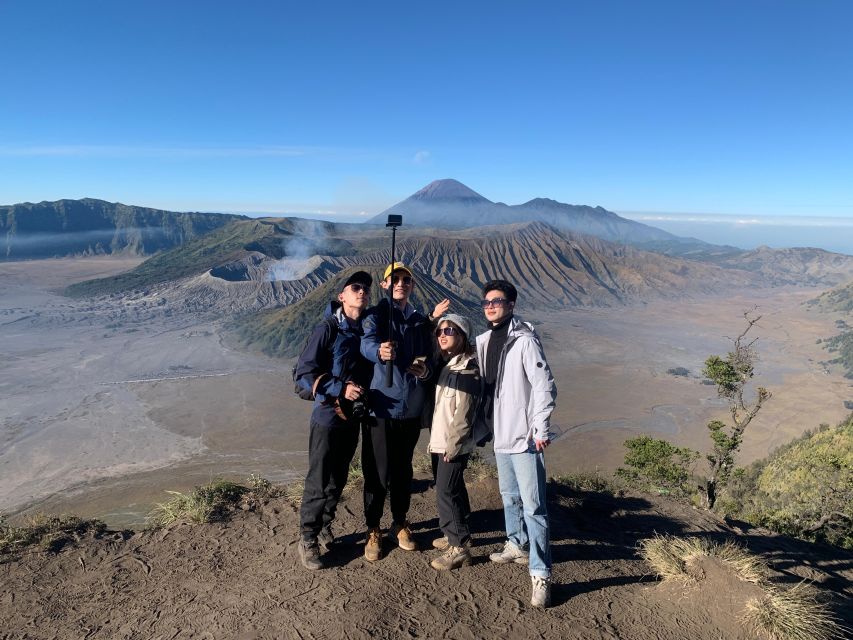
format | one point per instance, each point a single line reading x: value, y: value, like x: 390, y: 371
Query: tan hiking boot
x: 404, y: 537
x: 453, y: 558
x: 441, y: 543
x: 373, y: 546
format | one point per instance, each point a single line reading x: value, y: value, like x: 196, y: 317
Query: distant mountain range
x: 287, y: 267
x: 92, y: 227
x: 449, y: 204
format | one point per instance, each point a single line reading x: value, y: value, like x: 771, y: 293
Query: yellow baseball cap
x: 397, y: 266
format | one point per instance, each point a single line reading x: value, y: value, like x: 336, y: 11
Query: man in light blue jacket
x: 519, y: 395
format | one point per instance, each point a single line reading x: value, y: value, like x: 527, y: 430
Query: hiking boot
x: 541, y: 596
x: 325, y: 538
x: 309, y: 555
x: 453, y: 558
x: 441, y: 543
x: 373, y: 546
x: 510, y: 553
x: 404, y: 537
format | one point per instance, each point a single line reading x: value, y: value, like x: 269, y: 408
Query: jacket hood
x: 518, y: 327
x: 460, y: 361
x: 332, y: 309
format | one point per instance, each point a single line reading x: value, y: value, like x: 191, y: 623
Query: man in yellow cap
x: 388, y: 445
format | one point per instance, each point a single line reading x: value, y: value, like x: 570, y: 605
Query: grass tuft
x: 588, y: 481
x: 792, y: 614
x: 51, y: 533
x: 293, y: 492
x: 479, y: 468
x: 795, y: 613
x: 670, y: 557
x: 422, y: 463
x: 206, y: 503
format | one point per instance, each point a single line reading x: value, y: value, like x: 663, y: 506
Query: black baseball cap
x: 360, y: 277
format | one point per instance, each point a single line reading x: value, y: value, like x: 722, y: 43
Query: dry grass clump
x: 422, y: 463
x: 780, y: 614
x: 671, y: 557
x: 207, y: 503
x: 51, y: 533
x: 479, y: 468
x: 589, y: 481
x: 792, y: 614
x: 293, y: 492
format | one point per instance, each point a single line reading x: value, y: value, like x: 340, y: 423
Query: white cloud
x: 120, y: 151
x: 422, y: 157
x: 715, y: 218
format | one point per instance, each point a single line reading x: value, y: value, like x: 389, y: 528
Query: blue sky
x: 738, y: 108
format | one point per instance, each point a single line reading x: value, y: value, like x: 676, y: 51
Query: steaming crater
x: 292, y: 268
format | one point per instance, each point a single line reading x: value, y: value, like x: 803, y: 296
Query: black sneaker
x: 309, y: 555
x: 325, y: 538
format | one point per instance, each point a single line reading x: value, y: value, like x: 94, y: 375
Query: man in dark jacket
x: 388, y: 445
x: 332, y: 368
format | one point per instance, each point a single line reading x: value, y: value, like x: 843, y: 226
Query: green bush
x: 656, y: 465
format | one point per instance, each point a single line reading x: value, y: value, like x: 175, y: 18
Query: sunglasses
x: 406, y: 280
x: 494, y: 302
x: 358, y: 288
x: 447, y: 331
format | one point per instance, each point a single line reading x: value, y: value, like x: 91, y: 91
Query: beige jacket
x: 457, y: 394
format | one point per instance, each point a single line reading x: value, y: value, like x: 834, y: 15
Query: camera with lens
x: 357, y: 409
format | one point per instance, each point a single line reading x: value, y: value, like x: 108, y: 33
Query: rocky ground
x: 242, y: 578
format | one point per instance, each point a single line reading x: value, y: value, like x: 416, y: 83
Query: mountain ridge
x: 450, y: 204
x: 89, y: 226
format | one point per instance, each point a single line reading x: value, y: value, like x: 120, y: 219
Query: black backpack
x: 298, y: 389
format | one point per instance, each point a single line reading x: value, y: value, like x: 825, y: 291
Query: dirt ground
x: 242, y: 579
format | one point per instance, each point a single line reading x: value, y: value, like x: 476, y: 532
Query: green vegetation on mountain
x: 838, y: 299
x: 842, y: 345
x: 803, y: 489
x: 196, y: 256
x: 92, y: 227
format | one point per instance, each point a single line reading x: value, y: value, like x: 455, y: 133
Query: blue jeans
x: 521, y: 477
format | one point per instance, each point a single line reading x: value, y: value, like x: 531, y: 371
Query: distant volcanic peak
x: 448, y: 189
x: 541, y: 202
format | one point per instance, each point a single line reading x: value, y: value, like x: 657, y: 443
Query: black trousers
x: 330, y: 452
x: 451, y: 495
x: 387, y: 448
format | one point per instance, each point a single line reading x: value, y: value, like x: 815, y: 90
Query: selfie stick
x: 394, y: 221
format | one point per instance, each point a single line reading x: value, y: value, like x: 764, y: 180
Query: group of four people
x: 498, y: 386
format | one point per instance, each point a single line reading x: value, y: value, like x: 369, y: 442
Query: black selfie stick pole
x: 394, y: 221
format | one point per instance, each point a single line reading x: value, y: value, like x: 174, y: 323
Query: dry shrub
x: 671, y: 556
x: 293, y: 492
x: 792, y: 614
